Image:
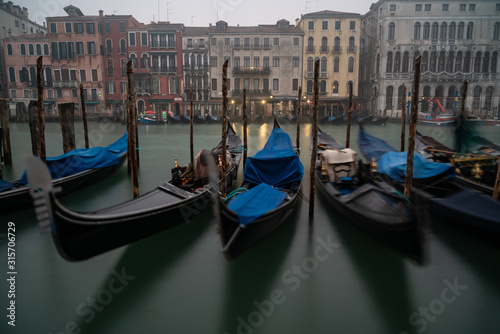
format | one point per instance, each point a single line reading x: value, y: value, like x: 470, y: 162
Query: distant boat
x: 71, y: 171
x: 267, y: 196
x: 173, y: 119
x: 82, y: 235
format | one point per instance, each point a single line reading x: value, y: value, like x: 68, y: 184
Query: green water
x: 326, y: 276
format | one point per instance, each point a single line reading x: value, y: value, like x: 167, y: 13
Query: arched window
x: 452, y: 32
x: 193, y: 61
x: 198, y: 61
x: 145, y: 61
x: 433, y: 61
x: 496, y: 31
x: 486, y: 62
x: 494, y: 62
x: 310, y: 44
x: 350, y: 65
x: 109, y: 46
x: 12, y: 74
x: 441, y: 61
x: 467, y: 61
x: 444, y: 30
x: 477, y: 63
x: 351, y: 43
x: 24, y: 75
x: 377, y: 65
x: 391, y: 31
x: 33, y: 76
x: 322, y: 86
x: 336, y: 44
x: 48, y: 76
x: 123, y: 46
x: 460, y: 32
x: 416, y: 30
x: 9, y: 50
x: 470, y: 30
x: 435, y: 30
x: 336, y: 65
x: 31, y: 50
x: 389, y: 92
x: 449, y: 62
x: 324, y: 44
x: 173, y: 85
x: 156, y: 85
x: 23, y: 50
x: 309, y: 86
x: 427, y: 29
x: 489, y: 97
x: 46, y: 50
x: 406, y: 60
x: 133, y: 57
x: 309, y: 64
x: 397, y: 62
x: 425, y: 62
x: 335, y: 87
x: 458, y: 62
x: 477, y: 97
x: 186, y: 60
x: 388, y: 68
x: 38, y: 50
x: 324, y: 66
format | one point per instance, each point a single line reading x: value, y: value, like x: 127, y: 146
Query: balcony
x: 324, y: 49
x: 162, y: 45
x: 323, y: 75
x: 237, y: 47
x: 310, y: 49
x: 163, y: 69
x: 109, y: 50
x: 266, y: 47
x: 195, y: 68
x: 309, y: 75
x: 337, y: 49
x: 65, y: 84
x: 251, y: 93
x: 251, y: 70
x: 351, y: 49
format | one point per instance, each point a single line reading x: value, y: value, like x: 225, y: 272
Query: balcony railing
x: 309, y: 74
x: 251, y: 70
x: 337, y: 49
x: 164, y: 69
x: 323, y: 75
x: 310, y: 49
x: 252, y: 92
x: 162, y: 45
x: 65, y: 84
x: 266, y: 47
x: 351, y: 48
x: 324, y: 49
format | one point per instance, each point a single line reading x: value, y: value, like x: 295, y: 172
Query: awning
x: 91, y: 102
x: 48, y: 102
x: 160, y: 101
x: 114, y: 101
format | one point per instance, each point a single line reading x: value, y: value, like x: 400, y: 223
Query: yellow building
x: 334, y: 39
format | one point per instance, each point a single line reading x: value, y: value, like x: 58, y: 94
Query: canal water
x: 319, y: 276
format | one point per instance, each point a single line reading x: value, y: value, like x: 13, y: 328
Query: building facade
x: 457, y: 40
x: 265, y: 59
x: 15, y: 21
x: 333, y: 38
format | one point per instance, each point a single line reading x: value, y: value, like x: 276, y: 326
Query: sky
x: 196, y: 12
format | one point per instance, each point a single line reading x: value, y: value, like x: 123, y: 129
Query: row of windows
x: 324, y: 44
x: 324, y: 25
x: 157, y: 40
x: 31, y: 50
x: 256, y: 61
x: 66, y: 50
x: 449, y: 62
x: 256, y: 41
x: 322, y: 86
x: 59, y: 93
x: 445, y: 31
x: 63, y: 74
x: 79, y: 28
x: 324, y: 64
x: 444, y: 7
x: 256, y: 84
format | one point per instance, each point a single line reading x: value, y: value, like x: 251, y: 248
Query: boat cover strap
x: 171, y: 189
x: 256, y: 202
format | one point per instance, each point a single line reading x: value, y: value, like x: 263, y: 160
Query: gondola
x: 433, y: 183
x: 185, y: 119
x: 372, y: 205
x: 73, y: 170
x: 199, y: 120
x: 477, y: 170
x: 267, y: 196
x: 173, y: 119
x: 211, y: 119
x: 79, y: 236
x: 378, y: 121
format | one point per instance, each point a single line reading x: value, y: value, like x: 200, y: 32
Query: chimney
x: 101, y: 14
x: 297, y: 22
x: 25, y: 12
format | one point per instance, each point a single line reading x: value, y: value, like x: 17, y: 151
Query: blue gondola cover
x: 5, y: 185
x: 256, y: 202
x: 82, y: 159
x: 276, y: 164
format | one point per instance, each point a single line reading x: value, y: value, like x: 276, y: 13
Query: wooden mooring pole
x: 33, y: 123
x: 315, y: 140
x: 224, y: 130
x: 4, y: 115
x: 67, y: 120
x: 84, y: 116
x: 131, y: 131
x: 299, y: 109
x: 413, y: 127
x: 403, y: 119
x: 349, y: 119
x: 41, y: 115
x: 191, y: 115
x: 461, y: 120
x: 245, y: 136
x: 496, y: 189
